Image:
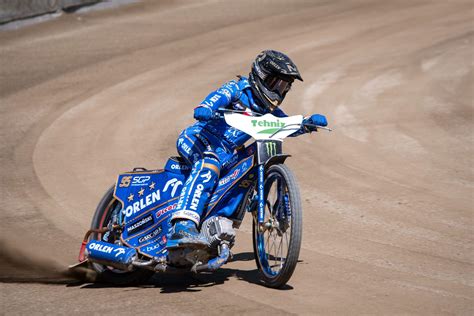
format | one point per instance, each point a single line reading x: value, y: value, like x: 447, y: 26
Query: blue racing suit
x: 208, y: 145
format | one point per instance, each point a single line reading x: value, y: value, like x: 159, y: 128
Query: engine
x: 217, y: 229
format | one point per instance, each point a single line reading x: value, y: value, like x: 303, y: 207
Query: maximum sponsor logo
x: 140, y: 224
x: 231, y: 161
x: 230, y: 177
x: 230, y: 85
x: 214, y: 99
x: 225, y: 92
x: 174, y: 184
x: 274, y: 64
x: 153, y: 247
x: 150, y: 236
x: 119, y: 252
x: 260, y: 73
x: 232, y: 132
x: 157, y: 244
x: 142, y: 203
x: 100, y: 247
x: 270, y: 126
x: 290, y: 68
x: 152, y: 198
x: 207, y: 176
x: 179, y: 167
x: 188, y: 214
x: 165, y: 210
x: 186, y: 148
x: 125, y: 182
x: 271, y: 148
x: 163, y: 240
x: 140, y: 180
x: 196, y: 197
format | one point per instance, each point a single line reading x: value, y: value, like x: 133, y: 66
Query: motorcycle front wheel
x: 277, y: 241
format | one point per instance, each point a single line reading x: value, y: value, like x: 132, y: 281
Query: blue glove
x: 315, y: 119
x: 202, y: 113
x: 318, y: 119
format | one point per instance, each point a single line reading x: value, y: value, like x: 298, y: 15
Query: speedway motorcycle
x: 131, y: 225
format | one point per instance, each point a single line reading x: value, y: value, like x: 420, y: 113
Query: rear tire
x: 105, y: 274
x: 284, y: 220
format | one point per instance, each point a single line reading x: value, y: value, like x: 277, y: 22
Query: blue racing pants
x: 205, y: 153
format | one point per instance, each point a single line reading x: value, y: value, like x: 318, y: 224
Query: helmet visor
x: 278, y: 85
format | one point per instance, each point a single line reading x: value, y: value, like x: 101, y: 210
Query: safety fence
x: 11, y: 10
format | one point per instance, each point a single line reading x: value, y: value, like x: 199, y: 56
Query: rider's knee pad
x: 205, y: 173
x: 190, y: 148
x: 211, y: 162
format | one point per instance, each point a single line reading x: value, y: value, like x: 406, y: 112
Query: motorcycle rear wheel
x: 277, y: 247
x: 106, y: 274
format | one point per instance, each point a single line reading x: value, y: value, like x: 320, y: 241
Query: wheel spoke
x: 267, y: 246
x: 272, y: 245
x: 277, y: 197
x: 275, y: 236
x: 280, y: 257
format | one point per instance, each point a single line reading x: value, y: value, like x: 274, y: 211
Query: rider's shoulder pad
x: 230, y: 89
x: 243, y: 83
x: 231, y: 85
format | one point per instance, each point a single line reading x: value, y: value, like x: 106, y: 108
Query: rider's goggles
x: 278, y: 85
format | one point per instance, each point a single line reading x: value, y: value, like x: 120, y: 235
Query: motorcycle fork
x: 261, y: 201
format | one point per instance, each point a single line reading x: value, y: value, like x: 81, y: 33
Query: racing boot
x: 185, y: 235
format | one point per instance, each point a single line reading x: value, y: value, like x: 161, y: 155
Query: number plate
x: 267, y: 149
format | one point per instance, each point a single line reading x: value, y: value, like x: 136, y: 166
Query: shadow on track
x: 189, y: 282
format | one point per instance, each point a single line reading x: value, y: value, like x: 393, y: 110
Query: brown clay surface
x: 388, y: 196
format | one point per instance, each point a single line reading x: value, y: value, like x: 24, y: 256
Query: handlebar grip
x: 216, y: 115
x: 315, y: 127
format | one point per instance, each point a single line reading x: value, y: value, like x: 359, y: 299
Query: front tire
x: 277, y: 247
x: 102, y: 217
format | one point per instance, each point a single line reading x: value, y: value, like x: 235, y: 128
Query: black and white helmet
x: 271, y: 78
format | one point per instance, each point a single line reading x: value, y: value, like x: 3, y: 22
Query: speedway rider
x: 209, y: 144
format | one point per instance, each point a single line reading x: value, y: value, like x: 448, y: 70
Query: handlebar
x: 317, y: 126
x: 224, y: 110
x: 219, y: 114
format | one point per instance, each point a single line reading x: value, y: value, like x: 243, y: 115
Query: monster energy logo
x: 271, y: 148
x: 274, y: 126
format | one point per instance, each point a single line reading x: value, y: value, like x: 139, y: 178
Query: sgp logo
x: 140, y: 180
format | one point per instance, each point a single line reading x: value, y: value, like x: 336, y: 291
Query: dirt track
x: 388, y: 196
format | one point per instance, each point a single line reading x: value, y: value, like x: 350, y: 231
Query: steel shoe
x: 185, y: 235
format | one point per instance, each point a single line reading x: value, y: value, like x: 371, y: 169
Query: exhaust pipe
x: 116, y: 256
x: 216, y: 263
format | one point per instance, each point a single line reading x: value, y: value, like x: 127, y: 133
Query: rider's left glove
x: 202, y: 113
x: 315, y: 119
